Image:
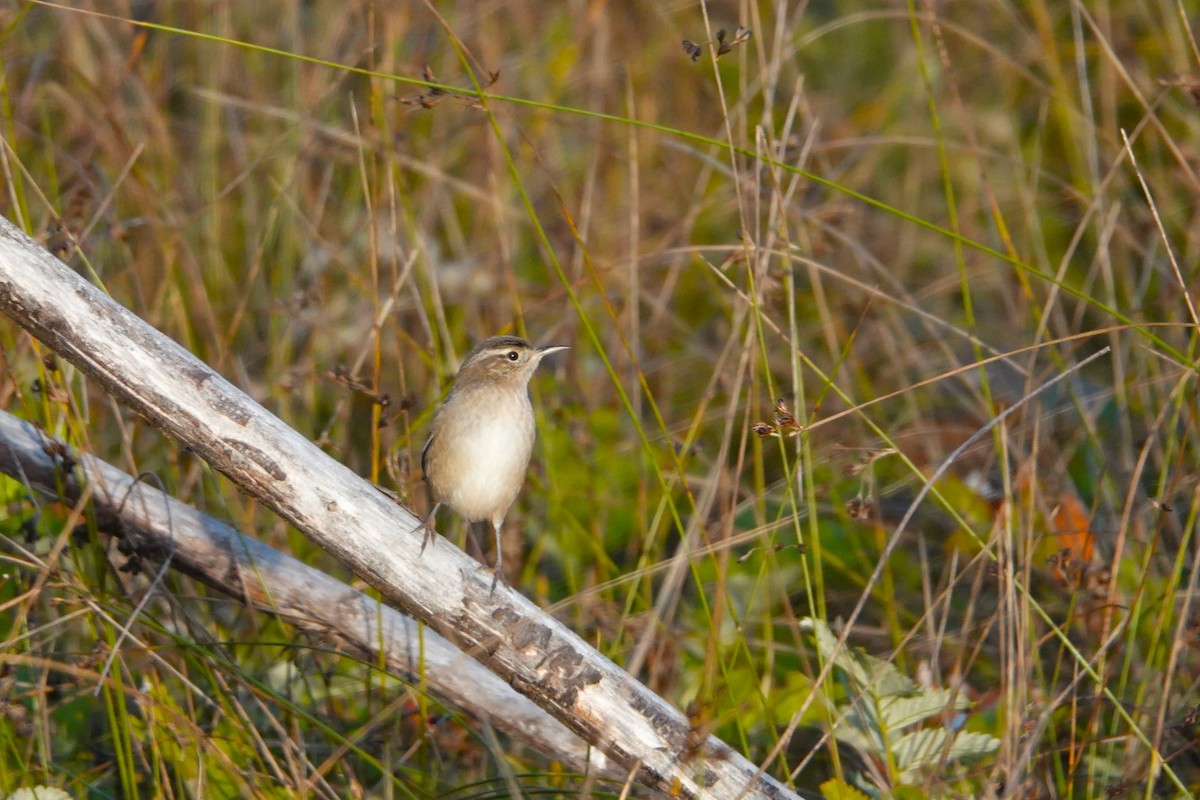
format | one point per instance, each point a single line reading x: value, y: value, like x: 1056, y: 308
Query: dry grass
x: 853, y: 211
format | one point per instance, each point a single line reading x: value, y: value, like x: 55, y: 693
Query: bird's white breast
x: 490, y: 462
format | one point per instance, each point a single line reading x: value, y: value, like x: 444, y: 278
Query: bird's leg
x: 499, y: 557
x: 430, y: 531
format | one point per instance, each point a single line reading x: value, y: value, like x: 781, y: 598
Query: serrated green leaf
x: 835, y: 789
x: 885, y: 679
x: 884, y: 703
x: 867, y: 673
x: 927, y: 747
x: 827, y: 647
x: 970, y: 745
x: 860, y: 727
x: 39, y: 793
x: 919, y: 748
x: 897, y: 713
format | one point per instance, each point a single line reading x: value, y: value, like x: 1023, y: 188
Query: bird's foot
x: 427, y: 526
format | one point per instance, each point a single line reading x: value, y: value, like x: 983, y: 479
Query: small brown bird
x: 482, y: 435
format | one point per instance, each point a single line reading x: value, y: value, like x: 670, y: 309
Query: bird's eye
x: 512, y: 355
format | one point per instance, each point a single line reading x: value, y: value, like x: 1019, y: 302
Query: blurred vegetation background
x: 795, y: 278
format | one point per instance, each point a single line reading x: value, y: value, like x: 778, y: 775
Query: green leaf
x: 885, y: 679
x: 971, y: 745
x: 39, y: 793
x: 919, y: 748
x: 827, y: 645
x: 866, y: 673
x: 835, y: 789
x: 927, y: 747
x: 884, y: 703
x: 901, y: 712
x: 860, y: 727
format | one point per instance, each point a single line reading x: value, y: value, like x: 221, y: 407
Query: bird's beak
x: 551, y: 348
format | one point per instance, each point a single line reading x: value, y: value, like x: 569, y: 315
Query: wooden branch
x: 156, y: 527
x: 381, y: 542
